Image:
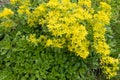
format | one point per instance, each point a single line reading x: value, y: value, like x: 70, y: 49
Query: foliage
x: 39, y: 40
x: 115, y: 22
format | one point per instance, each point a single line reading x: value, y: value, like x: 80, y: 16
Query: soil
x: 2, y: 2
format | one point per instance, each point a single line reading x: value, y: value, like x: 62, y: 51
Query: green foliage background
x: 115, y: 23
x: 20, y: 60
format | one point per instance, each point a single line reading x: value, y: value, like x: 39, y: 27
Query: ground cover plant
x: 56, y: 40
x: 115, y: 23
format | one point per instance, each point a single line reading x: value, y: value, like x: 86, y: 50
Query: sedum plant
x: 59, y: 25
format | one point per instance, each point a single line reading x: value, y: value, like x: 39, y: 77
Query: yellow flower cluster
x: 61, y: 24
x: 14, y: 1
x: 6, y: 12
x: 33, y: 39
x: 101, y: 18
x: 55, y: 43
x: 57, y: 17
x: 23, y: 9
x: 105, y: 6
x: 42, y: 39
x: 37, y: 15
x: 67, y: 25
x: 7, y: 23
x: 110, y: 66
x: 85, y: 3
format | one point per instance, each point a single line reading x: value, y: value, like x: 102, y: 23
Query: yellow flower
x: 32, y: 39
x: 6, y: 12
x: 83, y: 52
x: 24, y: 8
x: 53, y: 3
x: 65, y: 0
x: 13, y: 1
x: 102, y: 48
x: 21, y: 9
x: 8, y: 23
x: 104, y: 5
x: 41, y: 8
x: 109, y: 66
x: 85, y: 3
x: 49, y: 43
x: 102, y: 17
